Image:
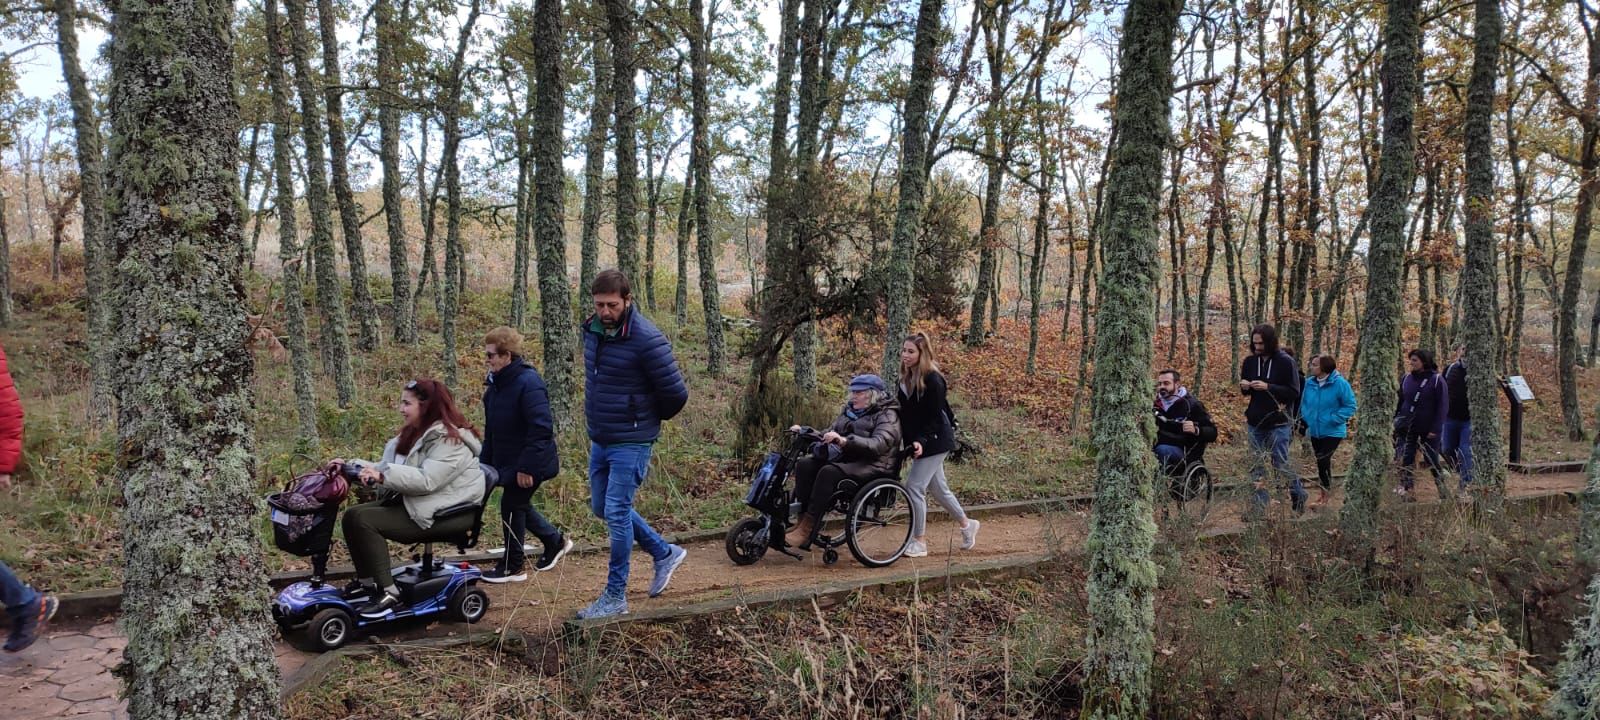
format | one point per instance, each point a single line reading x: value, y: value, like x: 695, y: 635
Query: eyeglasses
x: 491, y: 355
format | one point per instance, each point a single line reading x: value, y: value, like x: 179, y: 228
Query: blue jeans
x: 615, y: 474
x: 18, y: 598
x: 1276, y: 441
x: 1456, y: 444
x: 1170, y: 457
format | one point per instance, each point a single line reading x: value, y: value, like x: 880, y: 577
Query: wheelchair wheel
x: 878, y: 526
x: 747, y: 541
x: 1192, y: 492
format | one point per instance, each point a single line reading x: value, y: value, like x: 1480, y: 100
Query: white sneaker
x: 916, y: 549
x: 969, y: 534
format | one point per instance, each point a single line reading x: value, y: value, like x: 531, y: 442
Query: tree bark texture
x: 705, y: 246
x: 334, y: 333
x: 620, y: 19
x: 1478, y: 281
x: 594, y: 165
x: 549, y: 185
x: 368, y: 334
x: 913, y: 182
x: 195, y: 594
x: 1380, y: 330
x: 1582, y: 223
x: 454, y: 253
x: 386, y: 34
x: 1578, y: 677
x: 1122, y: 576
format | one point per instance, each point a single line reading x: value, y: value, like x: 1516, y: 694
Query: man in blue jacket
x: 1271, y: 380
x: 631, y: 384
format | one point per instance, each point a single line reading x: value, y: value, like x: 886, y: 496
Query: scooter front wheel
x: 330, y: 629
x: 747, y: 541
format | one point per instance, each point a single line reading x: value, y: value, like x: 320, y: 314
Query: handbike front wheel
x: 878, y: 526
x: 747, y: 541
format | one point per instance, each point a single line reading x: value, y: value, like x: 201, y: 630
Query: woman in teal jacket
x: 1326, y: 405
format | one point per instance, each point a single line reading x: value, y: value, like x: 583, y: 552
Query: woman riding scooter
x: 861, y: 445
x: 430, y: 465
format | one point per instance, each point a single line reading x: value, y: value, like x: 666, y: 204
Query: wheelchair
x: 1189, y: 484
x: 876, y: 514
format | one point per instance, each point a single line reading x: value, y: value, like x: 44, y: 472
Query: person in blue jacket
x: 1271, y: 379
x: 631, y: 385
x: 519, y: 441
x: 1419, y: 415
x: 1326, y: 405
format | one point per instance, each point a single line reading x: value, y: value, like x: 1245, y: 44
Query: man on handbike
x: 861, y: 445
x: 1183, y: 427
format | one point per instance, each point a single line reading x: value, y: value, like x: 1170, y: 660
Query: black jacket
x: 518, y: 429
x: 1455, y: 380
x: 1282, y: 377
x: 923, y: 419
x: 1169, y: 426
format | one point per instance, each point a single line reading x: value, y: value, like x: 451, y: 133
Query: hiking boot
x: 665, y: 567
x: 969, y: 534
x: 916, y: 548
x: 26, y: 630
x: 606, y: 606
x: 384, y: 605
x: 553, y: 554
x: 799, y: 536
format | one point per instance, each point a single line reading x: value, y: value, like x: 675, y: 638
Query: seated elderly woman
x: 430, y: 465
x: 860, y: 445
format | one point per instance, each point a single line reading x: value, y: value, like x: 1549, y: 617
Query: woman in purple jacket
x: 1419, y: 418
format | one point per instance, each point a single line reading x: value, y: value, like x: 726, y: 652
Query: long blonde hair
x: 915, y: 379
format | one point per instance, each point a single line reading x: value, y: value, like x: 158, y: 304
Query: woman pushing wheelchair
x: 862, y: 444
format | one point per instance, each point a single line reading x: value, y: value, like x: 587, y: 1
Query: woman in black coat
x: 519, y: 441
x: 929, y: 429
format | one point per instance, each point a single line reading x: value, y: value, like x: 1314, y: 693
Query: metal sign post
x: 1517, y: 392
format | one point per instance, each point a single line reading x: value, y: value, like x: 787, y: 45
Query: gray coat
x: 871, y: 440
x: 436, y: 474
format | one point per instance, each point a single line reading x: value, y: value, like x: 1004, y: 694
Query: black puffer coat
x: 872, y: 440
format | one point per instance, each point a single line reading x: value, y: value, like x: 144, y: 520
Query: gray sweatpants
x: 927, y: 478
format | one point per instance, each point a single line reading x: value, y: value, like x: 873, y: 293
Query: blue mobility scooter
x: 327, y: 615
x: 876, y: 514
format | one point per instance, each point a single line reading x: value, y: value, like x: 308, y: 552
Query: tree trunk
x: 594, y: 166
x: 5, y: 266
x: 652, y: 195
x: 913, y: 179
x: 521, y: 227
x: 368, y: 335
x: 779, y: 251
x: 194, y: 591
x: 1478, y: 281
x: 386, y: 34
x: 620, y: 18
x: 1578, y: 677
x: 1582, y: 222
x: 699, y: 40
x: 334, y: 333
x: 290, y: 253
x: 1122, y: 576
x: 454, y: 254
x: 549, y: 196
x: 91, y: 180
x: 685, y: 230
x: 1380, y: 331
x: 815, y: 71
x: 996, y: 19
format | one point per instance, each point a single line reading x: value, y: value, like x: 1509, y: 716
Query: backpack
x: 964, y: 444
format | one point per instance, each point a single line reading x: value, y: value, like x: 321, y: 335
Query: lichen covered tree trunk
x: 705, y: 246
x: 368, y: 334
x: 1380, y: 329
x: 594, y: 165
x: 290, y: 253
x: 1478, y: 283
x: 778, y: 186
x: 195, y: 593
x: 913, y: 182
x: 1577, y: 695
x: 386, y: 35
x: 620, y: 19
x: 680, y: 308
x: 91, y: 181
x: 1122, y: 576
x: 454, y: 254
x: 335, y: 334
x: 5, y: 267
x: 549, y: 185
x: 1577, y: 257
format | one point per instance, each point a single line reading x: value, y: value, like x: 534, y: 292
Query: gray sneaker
x: 606, y: 606
x: 665, y: 568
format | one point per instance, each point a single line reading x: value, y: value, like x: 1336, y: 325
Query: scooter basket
x: 309, y: 541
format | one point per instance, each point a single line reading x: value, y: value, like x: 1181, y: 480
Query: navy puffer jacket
x: 518, y: 429
x: 631, y: 380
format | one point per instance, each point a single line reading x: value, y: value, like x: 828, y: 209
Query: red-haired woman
x: 430, y: 465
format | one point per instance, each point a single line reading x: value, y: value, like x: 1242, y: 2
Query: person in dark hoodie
x: 1456, y: 442
x: 1419, y: 415
x: 1271, y: 379
x: 519, y: 441
x: 1183, y: 427
x: 861, y: 444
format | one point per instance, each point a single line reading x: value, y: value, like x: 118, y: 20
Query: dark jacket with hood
x: 871, y: 440
x: 518, y: 429
x: 631, y: 380
x: 923, y: 419
x: 1169, y: 425
x: 1455, y: 380
x: 1423, y: 403
x: 1272, y: 407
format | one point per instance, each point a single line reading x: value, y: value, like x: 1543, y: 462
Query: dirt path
x: 68, y: 673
